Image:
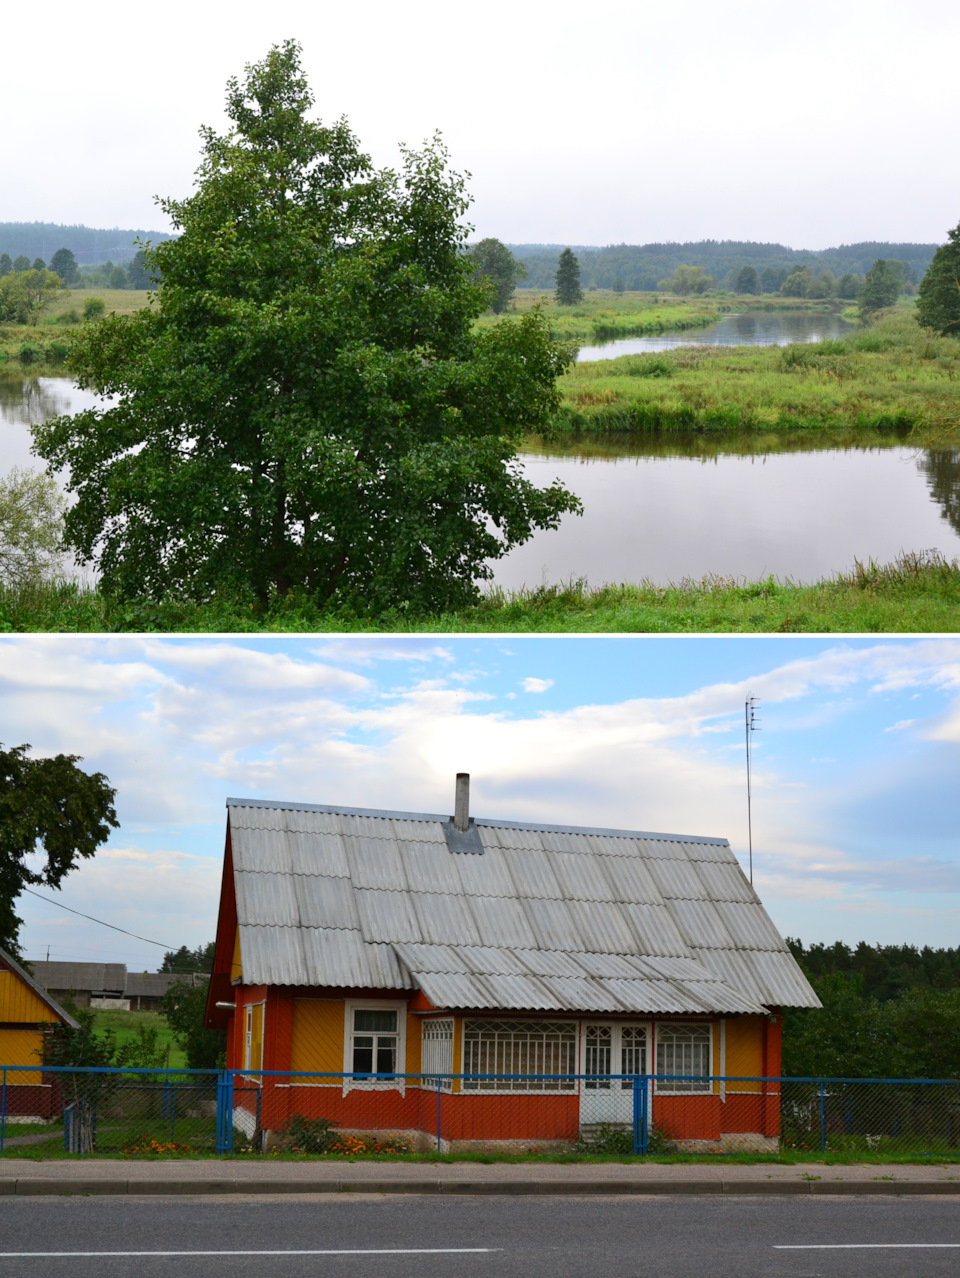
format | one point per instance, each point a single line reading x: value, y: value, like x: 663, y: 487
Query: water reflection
x: 942, y: 471
x: 668, y: 507
x: 779, y: 328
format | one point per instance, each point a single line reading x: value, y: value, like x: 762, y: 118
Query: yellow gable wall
x: 18, y: 1002
x: 744, y: 1051
x: 21, y: 1047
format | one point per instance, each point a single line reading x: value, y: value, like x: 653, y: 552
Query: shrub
x: 57, y: 352
x: 607, y: 1139
x: 68, y: 317
x: 93, y: 308
x: 29, y: 353
x: 308, y: 1135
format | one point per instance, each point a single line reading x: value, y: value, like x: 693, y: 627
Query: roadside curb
x: 64, y: 1186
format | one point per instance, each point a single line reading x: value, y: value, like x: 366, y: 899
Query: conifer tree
x: 569, y: 291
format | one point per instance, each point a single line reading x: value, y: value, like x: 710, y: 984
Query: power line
x: 61, y: 906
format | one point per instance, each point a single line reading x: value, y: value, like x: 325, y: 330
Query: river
x: 776, y: 328
x: 669, y: 510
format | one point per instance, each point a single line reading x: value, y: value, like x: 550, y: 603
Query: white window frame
x: 487, y: 1087
x: 616, y: 1026
x: 435, y: 1061
x: 248, y: 1039
x: 684, y: 1087
x: 398, y: 1082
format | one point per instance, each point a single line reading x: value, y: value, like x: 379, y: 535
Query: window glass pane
x: 386, y: 1055
x: 363, y: 1055
x: 373, y: 1021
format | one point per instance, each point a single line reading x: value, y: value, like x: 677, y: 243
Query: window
x: 610, y: 1050
x: 437, y: 1056
x: 253, y: 1037
x: 684, y: 1050
x: 520, y: 1048
x: 375, y: 1042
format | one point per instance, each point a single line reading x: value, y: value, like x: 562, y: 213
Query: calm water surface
x: 673, y: 511
x: 781, y: 328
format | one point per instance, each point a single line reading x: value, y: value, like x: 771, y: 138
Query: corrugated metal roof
x: 546, y: 916
x: 51, y: 974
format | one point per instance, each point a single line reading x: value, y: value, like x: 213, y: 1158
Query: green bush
x: 68, y: 317
x: 304, y: 1135
x: 57, y: 352
x: 607, y: 1139
x: 93, y: 308
x: 29, y: 353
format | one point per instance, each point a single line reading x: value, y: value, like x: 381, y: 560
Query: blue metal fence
x: 136, y: 1111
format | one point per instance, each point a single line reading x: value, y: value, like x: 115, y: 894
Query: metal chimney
x: 461, y: 807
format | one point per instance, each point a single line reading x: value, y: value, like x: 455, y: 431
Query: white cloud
x: 536, y: 685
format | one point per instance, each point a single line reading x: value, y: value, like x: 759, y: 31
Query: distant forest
x: 886, y: 970
x: 89, y: 245
x: 642, y: 266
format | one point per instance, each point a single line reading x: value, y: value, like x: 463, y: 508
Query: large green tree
x: 306, y: 406
x: 52, y: 808
x: 496, y: 264
x: 24, y: 294
x: 938, y: 303
x: 568, y: 291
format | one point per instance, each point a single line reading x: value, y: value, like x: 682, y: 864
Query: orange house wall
x: 466, y: 1116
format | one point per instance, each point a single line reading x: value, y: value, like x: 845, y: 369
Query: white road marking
x: 854, y: 1246
x: 338, y: 1251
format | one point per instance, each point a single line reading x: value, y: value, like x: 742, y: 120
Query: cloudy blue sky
x: 856, y: 822
x: 624, y: 120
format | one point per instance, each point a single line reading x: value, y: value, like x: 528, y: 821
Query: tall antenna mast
x: 750, y: 726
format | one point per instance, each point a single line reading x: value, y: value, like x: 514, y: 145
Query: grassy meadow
x: 49, y: 340
x: 892, y: 374
x: 125, y: 1026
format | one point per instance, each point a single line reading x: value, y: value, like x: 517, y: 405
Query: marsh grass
x: 894, y: 376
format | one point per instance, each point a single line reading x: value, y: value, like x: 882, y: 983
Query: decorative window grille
x: 436, y: 1059
x: 598, y: 1053
x: 684, y: 1050
x: 633, y: 1052
x: 520, y: 1048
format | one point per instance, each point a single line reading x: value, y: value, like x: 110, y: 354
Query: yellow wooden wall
x: 744, y: 1051
x: 318, y: 1037
x: 18, y: 1002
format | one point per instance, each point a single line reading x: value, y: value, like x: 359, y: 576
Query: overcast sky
x: 623, y: 120
x: 855, y: 819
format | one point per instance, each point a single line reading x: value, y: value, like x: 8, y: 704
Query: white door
x: 613, y: 1051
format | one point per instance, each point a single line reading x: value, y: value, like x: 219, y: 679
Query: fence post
x: 439, y: 1094
x: 823, y: 1118
x: 640, y: 1133
x: 3, y: 1109
x: 224, y: 1112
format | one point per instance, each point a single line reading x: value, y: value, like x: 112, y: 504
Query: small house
x: 476, y: 982
x: 26, y: 1009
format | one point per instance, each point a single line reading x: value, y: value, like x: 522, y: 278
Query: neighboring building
x: 109, y: 986
x: 25, y: 1011
x: 367, y: 945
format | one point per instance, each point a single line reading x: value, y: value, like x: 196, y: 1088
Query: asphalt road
x: 478, y: 1237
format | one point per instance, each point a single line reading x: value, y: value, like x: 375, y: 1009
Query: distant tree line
x: 889, y: 1011
x: 641, y: 267
x: 135, y: 274
x: 88, y: 244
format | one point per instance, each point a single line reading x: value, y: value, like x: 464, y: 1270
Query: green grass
x: 124, y: 1026
x: 891, y: 376
x: 51, y: 336
x: 917, y: 593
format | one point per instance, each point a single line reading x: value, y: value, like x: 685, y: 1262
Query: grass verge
x: 916, y: 593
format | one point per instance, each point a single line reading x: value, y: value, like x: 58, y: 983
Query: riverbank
x: 891, y: 376
x: 40, y: 350
x: 916, y: 594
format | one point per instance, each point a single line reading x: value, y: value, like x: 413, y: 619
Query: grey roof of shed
x: 98, y: 977
x: 550, y: 918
